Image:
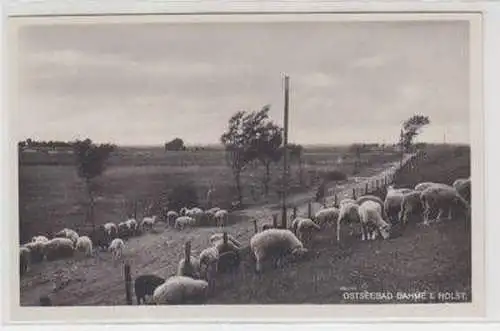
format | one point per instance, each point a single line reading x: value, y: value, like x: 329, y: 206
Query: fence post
x: 354, y: 193
x: 294, y: 212
x: 255, y: 228
x: 275, y: 220
x: 336, y: 203
x: 366, y: 188
x: 309, y: 210
x: 128, y: 282
x: 224, y: 237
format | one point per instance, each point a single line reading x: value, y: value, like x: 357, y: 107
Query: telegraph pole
x: 285, y: 156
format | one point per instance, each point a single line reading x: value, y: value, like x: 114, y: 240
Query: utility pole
x: 285, y: 155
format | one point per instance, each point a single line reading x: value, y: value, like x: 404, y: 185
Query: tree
x: 412, y: 128
x: 176, y: 144
x: 249, y: 134
x: 91, y: 163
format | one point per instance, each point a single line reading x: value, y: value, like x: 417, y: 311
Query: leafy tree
x: 412, y: 128
x: 91, y: 163
x: 176, y: 144
x: 250, y: 136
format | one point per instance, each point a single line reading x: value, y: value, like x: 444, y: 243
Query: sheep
x: 275, y: 244
x: 183, y: 211
x: 24, y: 259
x: 221, y: 217
x: 369, y: 197
x: 84, y: 245
x: 111, y: 230
x: 123, y: 230
x: 463, y: 187
x: 148, y: 223
x: 116, y: 248
x: 189, y: 265
x: 210, y: 214
x: 442, y: 198
x: 58, y: 248
x: 326, y: 215
x: 410, y: 205
x: 183, y: 221
x: 303, y: 228
x: 180, y: 290
x: 146, y: 285
x: 101, y: 237
x: 349, y: 213
x: 36, y: 250
x: 209, y: 259
x: 171, y: 217
x: 197, y: 214
x: 370, y: 213
x: 67, y: 233
x: 346, y: 200
x: 39, y: 239
x: 392, y: 203
x: 424, y: 185
x: 132, y: 226
x: 219, y: 236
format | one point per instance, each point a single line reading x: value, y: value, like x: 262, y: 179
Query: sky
x: 144, y: 84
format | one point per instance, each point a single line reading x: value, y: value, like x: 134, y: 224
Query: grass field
x: 435, y: 258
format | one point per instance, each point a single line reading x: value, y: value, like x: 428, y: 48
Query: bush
x: 183, y: 196
x: 335, y: 175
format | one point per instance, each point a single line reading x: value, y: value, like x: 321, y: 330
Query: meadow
x: 435, y: 258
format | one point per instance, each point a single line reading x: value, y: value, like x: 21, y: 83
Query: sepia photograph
x: 253, y: 160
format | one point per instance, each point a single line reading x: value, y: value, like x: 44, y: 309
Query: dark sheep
x: 146, y: 285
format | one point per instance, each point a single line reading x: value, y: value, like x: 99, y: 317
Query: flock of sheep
x: 196, y: 276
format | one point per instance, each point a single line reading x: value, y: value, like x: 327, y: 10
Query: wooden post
x: 354, y: 193
x: 285, y: 149
x: 366, y: 188
x: 187, y: 252
x: 255, y: 228
x: 275, y: 220
x: 309, y: 210
x: 294, y: 212
x: 336, y: 203
x: 128, y: 282
x: 224, y: 237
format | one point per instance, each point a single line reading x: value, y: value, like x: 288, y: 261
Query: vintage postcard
x: 246, y: 167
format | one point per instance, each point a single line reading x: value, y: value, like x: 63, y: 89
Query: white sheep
x: 210, y: 213
x: 370, y: 213
x: 132, y: 225
x: 392, y: 203
x: 197, y: 214
x: 37, y: 250
x: 178, y: 290
x: 209, y: 258
x: 111, y: 229
x: 303, y: 228
x: 443, y: 199
x: 67, y: 233
x: 189, y: 267
x: 221, y: 217
x: 326, y: 215
x: 183, y: 211
x: 148, y: 223
x: 463, y: 187
x: 171, y: 217
x: 24, y: 259
x: 58, y: 248
x: 410, y: 205
x: 424, y: 185
x: 349, y: 213
x: 84, y: 245
x: 346, y: 200
x: 275, y: 244
x: 370, y: 197
x: 39, y: 239
x: 183, y: 221
x: 116, y: 248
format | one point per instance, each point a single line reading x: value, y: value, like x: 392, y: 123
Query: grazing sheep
x: 349, y: 214
x: 303, y: 228
x: 221, y: 217
x: 326, y: 215
x: 132, y: 226
x: 424, y: 185
x: 275, y: 244
x: 210, y: 214
x: 183, y: 211
x: 171, y: 217
x: 369, y: 197
x: 84, y: 245
x: 148, y: 223
x: 219, y: 236
x: 410, y: 205
x: 370, y: 213
x: 39, y: 239
x: 67, y: 233
x: 102, y: 237
x: 37, y: 251
x: 463, y: 187
x: 111, y: 230
x: 392, y: 203
x: 58, y: 248
x: 178, y: 290
x: 183, y: 221
x: 209, y: 260
x: 442, y: 198
x: 346, y: 200
x: 24, y: 259
x: 197, y: 214
x: 116, y: 248
x: 146, y: 285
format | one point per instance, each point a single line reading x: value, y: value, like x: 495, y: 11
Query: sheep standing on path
x: 148, y: 223
x: 116, y: 248
x: 184, y: 221
x: 178, y: 290
x: 371, y: 221
x: 442, y: 199
x: 221, y: 217
x: 275, y: 245
x: 84, y: 245
x: 349, y: 214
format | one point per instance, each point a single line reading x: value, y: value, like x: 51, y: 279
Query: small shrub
x: 335, y: 175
